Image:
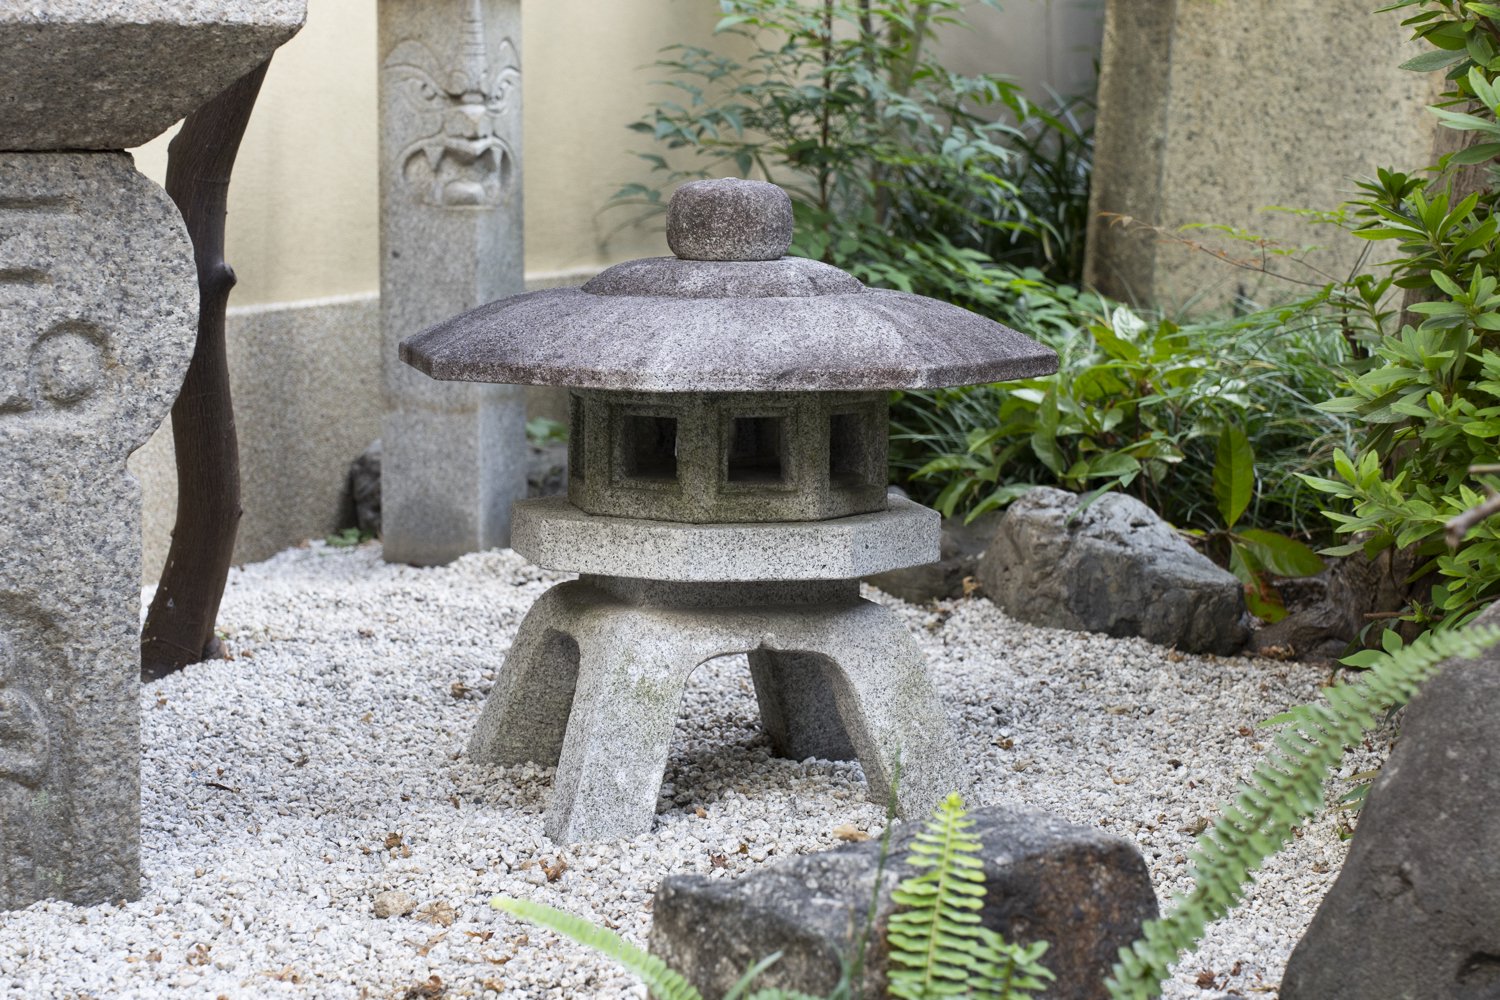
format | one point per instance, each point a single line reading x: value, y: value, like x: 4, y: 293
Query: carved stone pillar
x: 98, y: 311
x: 451, y: 239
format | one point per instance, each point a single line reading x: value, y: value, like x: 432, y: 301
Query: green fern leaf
x: 664, y: 983
x: 939, y: 946
x: 1283, y: 791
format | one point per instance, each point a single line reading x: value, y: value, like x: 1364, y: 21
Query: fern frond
x: 938, y: 946
x: 1283, y: 791
x: 934, y: 937
x: 664, y: 983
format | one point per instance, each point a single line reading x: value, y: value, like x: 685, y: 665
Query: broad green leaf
x: 1434, y: 60
x: 1281, y: 555
x: 1234, y: 474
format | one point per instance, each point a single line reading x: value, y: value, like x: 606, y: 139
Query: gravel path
x: 287, y: 787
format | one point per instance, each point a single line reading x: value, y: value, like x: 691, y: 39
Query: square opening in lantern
x: 851, y: 449
x: 757, y: 448
x: 648, y: 447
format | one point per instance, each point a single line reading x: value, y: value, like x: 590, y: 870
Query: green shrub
x: 1207, y: 423
x: 1430, y: 393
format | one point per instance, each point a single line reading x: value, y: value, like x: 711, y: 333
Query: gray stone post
x: 1216, y: 113
x: 98, y: 313
x: 451, y: 239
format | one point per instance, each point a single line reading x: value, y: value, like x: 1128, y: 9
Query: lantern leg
x: 526, y: 715
x: 886, y: 704
x: 795, y: 692
x: 620, y: 732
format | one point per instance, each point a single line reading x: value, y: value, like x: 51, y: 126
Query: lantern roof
x: 729, y: 313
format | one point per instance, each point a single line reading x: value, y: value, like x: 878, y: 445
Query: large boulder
x: 1415, y: 912
x: 1112, y: 567
x: 1083, y: 891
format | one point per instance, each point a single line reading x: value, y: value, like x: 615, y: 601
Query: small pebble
x: 394, y: 903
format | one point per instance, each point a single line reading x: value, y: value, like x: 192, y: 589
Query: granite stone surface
x: 98, y: 311
x: 729, y: 219
x: 1084, y: 892
x: 874, y: 339
x: 671, y: 277
x: 113, y: 74
x: 553, y: 533
x: 711, y: 458
x: 956, y: 572
x: 1115, y: 568
x: 1415, y: 912
x: 451, y: 238
x: 593, y: 683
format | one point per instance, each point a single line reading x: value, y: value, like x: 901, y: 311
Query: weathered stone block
x: 1415, y: 912
x: 450, y: 204
x: 98, y: 309
x: 553, y: 533
x: 1114, y: 568
x: 1215, y: 113
x: 1084, y: 892
x: 113, y: 74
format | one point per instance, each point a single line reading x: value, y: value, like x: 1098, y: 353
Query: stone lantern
x: 726, y: 492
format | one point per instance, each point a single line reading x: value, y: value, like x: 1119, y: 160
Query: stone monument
x: 454, y: 456
x: 1215, y: 113
x: 98, y: 310
x: 727, y: 490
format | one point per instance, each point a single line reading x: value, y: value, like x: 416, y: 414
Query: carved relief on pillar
x: 459, y: 110
x: 30, y: 671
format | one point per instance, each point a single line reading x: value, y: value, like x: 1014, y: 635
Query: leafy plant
x: 1145, y: 406
x: 1430, y: 392
x: 1255, y: 554
x: 1283, y: 791
x: 938, y: 948
x: 938, y: 945
x: 347, y: 538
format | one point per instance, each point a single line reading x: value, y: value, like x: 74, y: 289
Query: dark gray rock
x: 1329, y: 624
x: 1114, y: 568
x: 961, y: 546
x: 1415, y: 912
x: 364, y: 489
x: 1083, y: 891
x: 729, y: 219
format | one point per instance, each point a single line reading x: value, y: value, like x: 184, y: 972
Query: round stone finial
x: 729, y: 219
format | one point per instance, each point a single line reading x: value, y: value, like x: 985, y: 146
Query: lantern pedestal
x: 594, y: 680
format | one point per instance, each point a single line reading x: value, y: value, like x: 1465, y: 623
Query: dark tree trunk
x: 180, y: 625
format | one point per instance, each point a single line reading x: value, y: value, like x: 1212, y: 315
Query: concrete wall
x: 303, y: 219
x: 1215, y: 112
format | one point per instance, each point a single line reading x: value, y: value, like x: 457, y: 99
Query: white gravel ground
x: 321, y: 765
